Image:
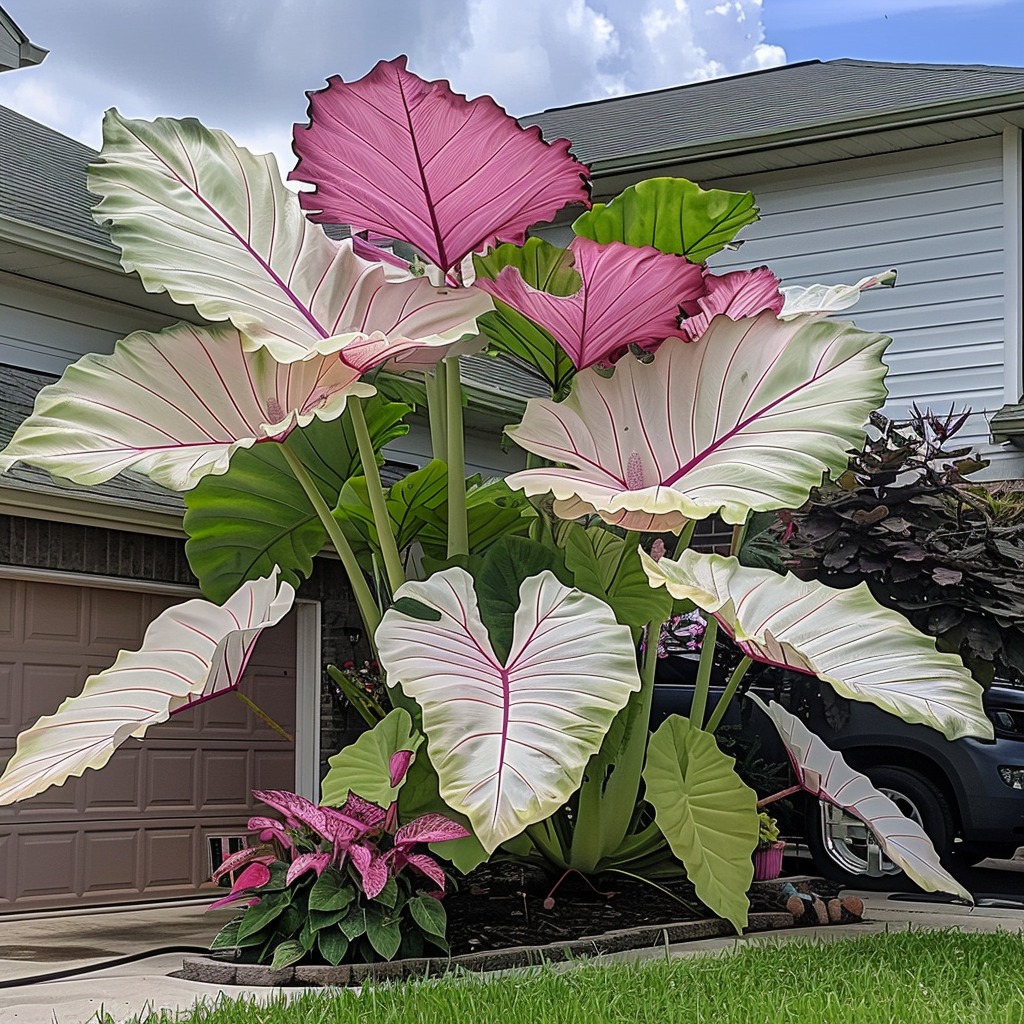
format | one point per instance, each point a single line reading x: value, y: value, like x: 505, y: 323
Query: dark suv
x: 967, y: 794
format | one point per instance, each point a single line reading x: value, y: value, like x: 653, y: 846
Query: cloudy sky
x: 244, y: 65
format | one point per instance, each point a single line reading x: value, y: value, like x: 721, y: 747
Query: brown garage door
x: 139, y: 828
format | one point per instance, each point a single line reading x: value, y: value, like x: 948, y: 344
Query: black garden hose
x: 72, y: 972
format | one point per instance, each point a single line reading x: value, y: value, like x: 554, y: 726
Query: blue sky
x: 924, y: 31
x: 244, y: 65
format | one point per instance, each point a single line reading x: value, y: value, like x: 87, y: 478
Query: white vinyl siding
x: 936, y: 215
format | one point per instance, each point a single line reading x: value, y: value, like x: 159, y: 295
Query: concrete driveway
x: 34, y: 945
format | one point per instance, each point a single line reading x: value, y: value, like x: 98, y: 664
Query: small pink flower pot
x: 768, y: 863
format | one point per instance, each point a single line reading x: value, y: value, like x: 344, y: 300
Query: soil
x: 502, y: 905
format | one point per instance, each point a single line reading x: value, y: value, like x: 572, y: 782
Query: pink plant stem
x: 782, y: 794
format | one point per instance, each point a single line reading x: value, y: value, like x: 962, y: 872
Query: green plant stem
x: 739, y: 534
x: 727, y: 695
x: 375, y: 492
x: 684, y: 538
x: 437, y: 413
x: 707, y: 659
x: 458, y: 526
x: 361, y: 591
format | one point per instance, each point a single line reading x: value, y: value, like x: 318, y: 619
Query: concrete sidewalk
x: 44, y: 943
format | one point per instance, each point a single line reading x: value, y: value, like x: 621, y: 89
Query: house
x: 84, y: 570
x: 857, y: 167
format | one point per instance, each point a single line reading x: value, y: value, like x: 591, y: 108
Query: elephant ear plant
x: 516, y: 622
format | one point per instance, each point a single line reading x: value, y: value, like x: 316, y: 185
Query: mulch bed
x: 502, y: 905
x: 503, y: 916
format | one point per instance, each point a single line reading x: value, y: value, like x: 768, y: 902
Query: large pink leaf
x: 373, y: 870
x: 735, y: 295
x: 176, y: 405
x: 240, y: 858
x: 315, y: 862
x: 429, y: 828
x: 509, y: 740
x: 824, y: 774
x: 749, y: 419
x: 214, y: 226
x: 630, y: 295
x: 413, y: 160
x: 190, y: 652
x: 426, y: 865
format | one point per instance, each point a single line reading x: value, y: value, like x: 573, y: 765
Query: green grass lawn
x: 903, y: 978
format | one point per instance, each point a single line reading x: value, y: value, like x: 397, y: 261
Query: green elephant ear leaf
x: 609, y: 567
x: 412, y: 503
x: 548, y: 268
x: 706, y: 812
x: 363, y: 767
x: 256, y: 515
x: 671, y: 214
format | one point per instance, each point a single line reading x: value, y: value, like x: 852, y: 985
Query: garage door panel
x: 275, y: 770
x: 117, y: 789
x: 10, y: 625
x: 8, y: 674
x: 169, y: 858
x: 56, y: 619
x: 138, y: 828
x: 110, y: 861
x: 117, y: 620
x: 226, y: 780
x: 169, y: 779
x: 46, y: 863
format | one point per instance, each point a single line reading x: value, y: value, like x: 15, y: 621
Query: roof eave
x: 823, y: 132
x: 30, y: 55
x: 59, y: 243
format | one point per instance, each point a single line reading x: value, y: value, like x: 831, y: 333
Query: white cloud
x: 244, y: 66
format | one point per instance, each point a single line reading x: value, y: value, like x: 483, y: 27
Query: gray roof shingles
x: 774, y: 101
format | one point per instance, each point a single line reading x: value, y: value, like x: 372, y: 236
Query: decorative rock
x: 835, y: 911
x: 213, y: 972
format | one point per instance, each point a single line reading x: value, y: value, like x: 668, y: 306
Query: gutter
x: 57, y: 243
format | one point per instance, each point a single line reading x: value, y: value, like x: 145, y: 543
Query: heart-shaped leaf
x: 509, y: 739
x: 363, y: 767
x: 706, y: 812
x: 831, y: 298
x: 823, y: 773
x: 844, y: 637
x: 172, y: 187
x: 412, y: 160
x: 749, y: 419
x: 671, y: 214
x: 256, y: 515
x: 190, y: 652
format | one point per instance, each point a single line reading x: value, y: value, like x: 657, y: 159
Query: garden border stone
x: 212, y: 970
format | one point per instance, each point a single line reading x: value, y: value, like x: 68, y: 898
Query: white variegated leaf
x: 509, y: 741
x: 822, y: 299
x: 844, y: 637
x: 176, y: 405
x: 747, y: 419
x: 213, y: 225
x: 823, y: 773
x: 190, y: 653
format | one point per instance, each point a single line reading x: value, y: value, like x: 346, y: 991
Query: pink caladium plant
x: 449, y: 175
x: 324, y: 877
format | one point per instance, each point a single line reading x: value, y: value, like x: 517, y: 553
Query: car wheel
x: 845, y: 851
